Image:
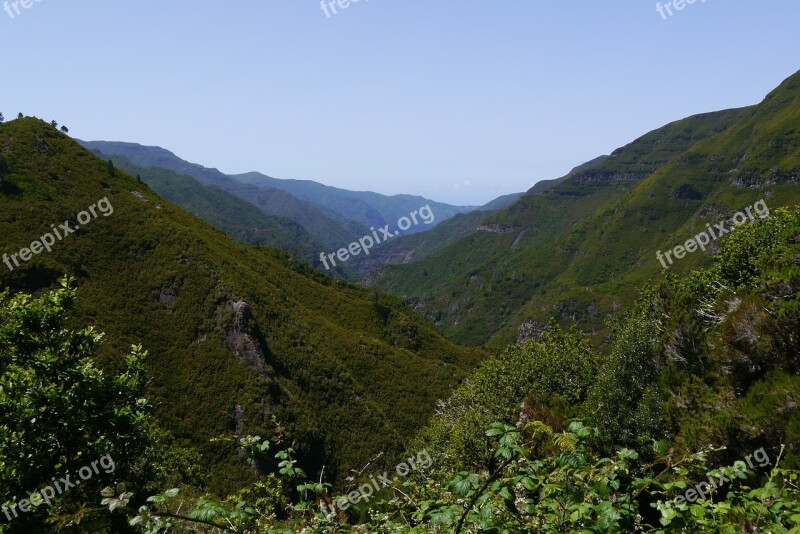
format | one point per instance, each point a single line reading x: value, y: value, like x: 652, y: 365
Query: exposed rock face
x: 167, y: 298
x: 516, y: 244
x: 606, y: 176
x: 530, y: 330
x: 497, y: 228
x: 236, y: 334
x: 43, y: 147
x: 753, y: 181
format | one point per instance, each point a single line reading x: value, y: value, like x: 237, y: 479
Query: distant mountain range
x: 237, y: 334
x: 330, y: 217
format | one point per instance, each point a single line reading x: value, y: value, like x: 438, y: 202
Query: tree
x: 54, y: 124
x: 20, y: 115
x: 64, y: 129
x: 60, y: 413
x: 625, y: 399
x: 2, y: 118
x: 554, y: 372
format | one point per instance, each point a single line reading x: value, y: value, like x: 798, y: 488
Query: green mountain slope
x: 547, y: 254
x: 328, y: 228
x: 237, y: 334
x: 364, y: 207
x: 239, y: 219
x: 414, y: 247
x: 501, y: 202
x: 609, y: 254
x: 409, y: 248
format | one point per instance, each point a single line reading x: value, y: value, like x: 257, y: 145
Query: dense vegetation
x: 236, y: 389
x: 238, y: 335
x: 660, y: 435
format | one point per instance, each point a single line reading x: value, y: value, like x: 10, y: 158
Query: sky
x: 458, y: 101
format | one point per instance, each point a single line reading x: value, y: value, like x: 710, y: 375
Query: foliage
x: 571, y: 490
x: 59, y: 412
x: 319, y: 355
x: 556, y: 371
x: 625, y: 400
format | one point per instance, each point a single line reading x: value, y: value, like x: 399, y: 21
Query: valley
x: 486, y: 268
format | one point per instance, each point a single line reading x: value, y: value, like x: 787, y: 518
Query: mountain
x: 328, y: 228
x: 414, y: 247
x: 242, y: 339
x: 332, y: 217
x: 578, y: 247
x: 229, y: 213
x: 501, y: 202
x: 376, y: 210
x: 365, y: 207
x: 696, y: 370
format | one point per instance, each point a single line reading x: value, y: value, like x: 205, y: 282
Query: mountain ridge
x: 569, y: 262
x: 328, y: 228
x: 237, y: 334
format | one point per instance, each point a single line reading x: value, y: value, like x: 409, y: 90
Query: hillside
x: 410, y: 248
x: 329, y: 228
x: 304, y: 201
x: 241, y: 338
x: 233, y: 215
x: 689, y: 423
x: 364, y: 207
x: 504, y: 280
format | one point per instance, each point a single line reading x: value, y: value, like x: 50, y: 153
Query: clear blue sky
x: 458, y: 101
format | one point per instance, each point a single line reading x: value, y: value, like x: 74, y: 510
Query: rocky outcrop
x: 167, y: 298
x: 608, y: 176
x: 530, y: 330
x: 234, y: 317
x: 238, y: 418
x: 43, y: 147
x: 497, y: 228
